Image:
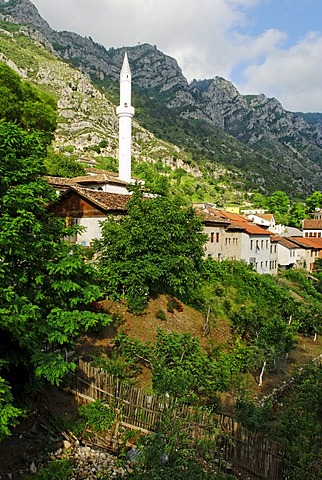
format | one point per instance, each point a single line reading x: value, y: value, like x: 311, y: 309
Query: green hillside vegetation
x: 45, y: 288
x: 47, y: 291
x: 221, y: 157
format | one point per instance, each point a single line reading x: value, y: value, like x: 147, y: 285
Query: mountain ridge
x: 280, y: 148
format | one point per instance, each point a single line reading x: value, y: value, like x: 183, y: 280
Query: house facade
x: 312, y: 228
x: 312, y: 248
x: 88, y: 208
x: 232, y: 237
x: 288, y: 253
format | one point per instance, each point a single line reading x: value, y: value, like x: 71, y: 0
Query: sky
x: 262, y: 46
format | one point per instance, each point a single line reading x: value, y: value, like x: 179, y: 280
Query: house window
x: 212, y: 236
x: 275, y: 249
x: 266, y: 243
x: 262, y: 263
x: 257, y: 245
x: 262, y: 244
x: 217, y: 237
x: 266, y: 264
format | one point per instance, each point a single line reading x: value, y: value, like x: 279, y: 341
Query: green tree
x: 258, y: 200
x: 25, y: 105
x: 60, y: 165
x: 45, y: 286
x: 279, y: 204
x: 156, y: 248
x: 297, y: 214
x: 155, y: 182
x: 314, y: 201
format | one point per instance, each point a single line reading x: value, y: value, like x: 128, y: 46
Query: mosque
x: 88, y: 200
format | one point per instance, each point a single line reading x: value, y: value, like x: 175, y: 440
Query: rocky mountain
x: 208, y: 118
x: 87, y: 121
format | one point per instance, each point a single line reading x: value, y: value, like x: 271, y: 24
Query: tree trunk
x: 261, y: 374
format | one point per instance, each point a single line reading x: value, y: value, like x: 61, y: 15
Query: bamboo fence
x: 143, y: 412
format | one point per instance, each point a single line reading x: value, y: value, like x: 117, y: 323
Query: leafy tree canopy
x: 60, y: 165
x: 297, y: 214
x: 278, y: 202
x: 25, y: 105
x: 314, y: 201
x: 45, y: 287
x: 156, y: 248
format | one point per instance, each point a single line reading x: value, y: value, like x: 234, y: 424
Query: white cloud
x: 292, y: 75
x: 205, y: 38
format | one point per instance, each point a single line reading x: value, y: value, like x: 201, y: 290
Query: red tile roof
x: 309, y: 224
x: 234, y: 221
x: 286, y: 242
x: 265, y: 216
x: 309, y: 242
x: 251, y: 228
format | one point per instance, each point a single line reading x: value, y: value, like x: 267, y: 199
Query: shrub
x: 173, y: 304
x: 161, y: 315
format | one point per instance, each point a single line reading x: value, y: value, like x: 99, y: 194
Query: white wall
x: 93, y: 230
x: 257, y: 247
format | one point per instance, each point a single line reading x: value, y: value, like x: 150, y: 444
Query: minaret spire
x: 125, y: 113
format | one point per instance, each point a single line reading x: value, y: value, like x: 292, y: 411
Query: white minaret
x: 125, y: 113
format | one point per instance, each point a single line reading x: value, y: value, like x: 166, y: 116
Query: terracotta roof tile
x: 308, y: 242
x: 286, y: 242
x: 265, y: 216
x: 105, y: 200
x: 59, y: 181
x: 251, y: 229
x: 309, y: 224
x: 209, y: 216
x: 234, y: 221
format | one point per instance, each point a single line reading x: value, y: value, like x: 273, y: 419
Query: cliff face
x: 284, y: 144
x: 87, y: 121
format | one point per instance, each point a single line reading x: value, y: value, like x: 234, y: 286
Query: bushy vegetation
x: 60, y: 165
x: 45, y: 286
x: 157, y: 248
x: 264, y: 320
x: 173, y: 453
x: 295, y: 422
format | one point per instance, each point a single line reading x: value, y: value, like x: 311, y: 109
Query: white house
x: 231, y: 236
x: 88, y: 208
x: 288, y: 253
x: 312, y: 228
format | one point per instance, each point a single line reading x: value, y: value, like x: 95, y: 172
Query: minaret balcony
x: 125, y: 111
